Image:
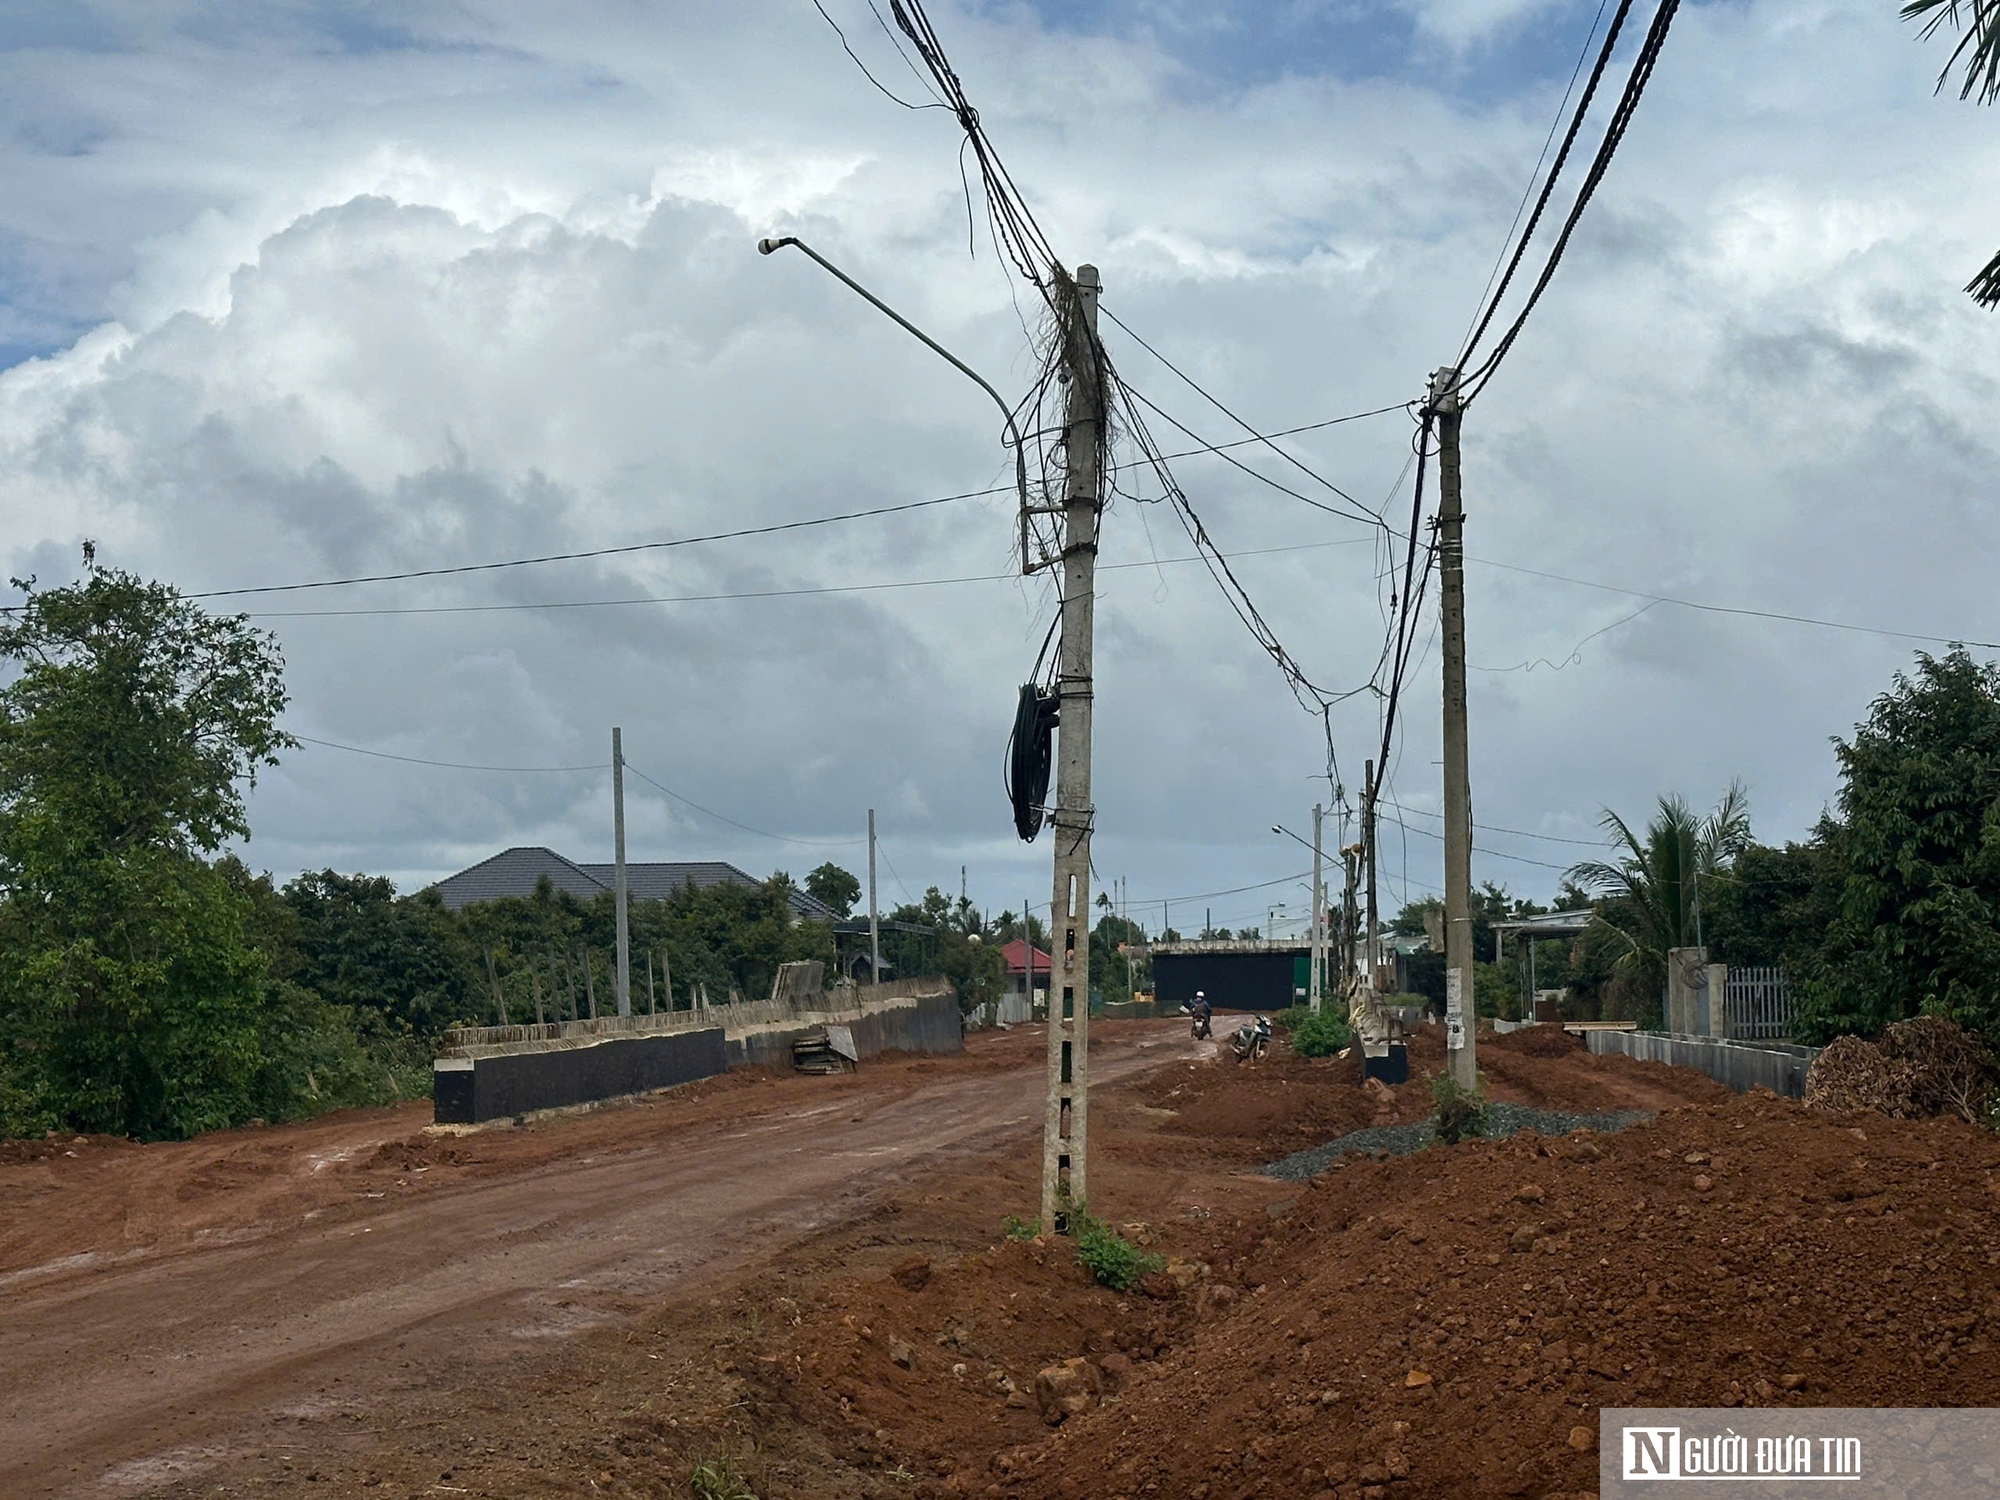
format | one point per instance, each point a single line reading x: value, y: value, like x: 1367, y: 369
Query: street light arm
x: 1275, y: 828
x: 769, y: 246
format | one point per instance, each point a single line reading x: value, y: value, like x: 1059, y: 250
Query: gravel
x: 1402, y: 1140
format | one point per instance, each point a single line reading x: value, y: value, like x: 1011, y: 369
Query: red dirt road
x: 169, y: 1308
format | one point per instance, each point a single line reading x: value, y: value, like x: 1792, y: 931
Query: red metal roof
x: 1016, y: 955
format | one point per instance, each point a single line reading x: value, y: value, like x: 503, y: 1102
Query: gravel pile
x: 1402, y: 1140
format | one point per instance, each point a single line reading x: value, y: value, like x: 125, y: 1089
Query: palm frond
x: 1985, y: 287
x: 1978, y: 46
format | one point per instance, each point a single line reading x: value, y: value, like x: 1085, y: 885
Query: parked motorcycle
x: 1252, y: 1040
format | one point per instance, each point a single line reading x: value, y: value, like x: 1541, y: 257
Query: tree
x: 1918, y: 927
x: 835, y: 886
x: 131, y: 991
x: 1979, y: 50
x: 1652, y: 895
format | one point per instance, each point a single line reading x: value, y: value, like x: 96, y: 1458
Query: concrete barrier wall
x: 1777, y: 1066
x: 494, y: 1072
x: 497, y: 1085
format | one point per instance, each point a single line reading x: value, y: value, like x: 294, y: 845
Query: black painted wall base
x: 1392, y: 1070
x: 470, y: 1091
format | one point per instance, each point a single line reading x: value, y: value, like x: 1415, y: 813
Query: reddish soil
x: 806, y: 1278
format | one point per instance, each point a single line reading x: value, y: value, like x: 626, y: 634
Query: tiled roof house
x: 516, y: 872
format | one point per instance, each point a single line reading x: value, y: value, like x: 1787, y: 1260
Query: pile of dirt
x: 1448, y: 1323
x: 1915, y: 1070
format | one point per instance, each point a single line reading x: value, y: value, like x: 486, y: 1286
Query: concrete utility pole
x: 623, y: 979
x: 874, y: 915
x: 1319, y: 917
x: 1065, y: 1128
x: 1460, y: 1014
x: 1368, y: 855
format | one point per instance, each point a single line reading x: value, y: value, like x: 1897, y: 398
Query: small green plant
x: 718, y: 1479
x: 1312, y: 1035
x: 1461, y: 1112
x: 1114, y: 1260
x: 1020, y: 1229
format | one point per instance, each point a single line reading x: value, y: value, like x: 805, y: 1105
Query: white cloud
x: 396, y: 308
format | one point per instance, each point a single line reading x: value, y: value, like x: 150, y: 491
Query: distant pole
x: 1460, y: 1013
x: 651, y: 1008
x: 589, y: 985
x: 493, y: 979
x: 667, y: 980
x: 535, y: 985
x: 1319, y: 917
x: 621, y: 983
x: 874, y: 912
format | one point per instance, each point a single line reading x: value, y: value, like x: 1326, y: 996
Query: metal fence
x: 1759, y: 1004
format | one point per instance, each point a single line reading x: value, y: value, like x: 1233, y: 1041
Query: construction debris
x: 1915, y: 1070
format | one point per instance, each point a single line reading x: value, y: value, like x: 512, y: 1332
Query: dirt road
x: 168, y: 1309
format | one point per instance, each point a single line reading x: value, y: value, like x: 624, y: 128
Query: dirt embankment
x: 1446, y: 1324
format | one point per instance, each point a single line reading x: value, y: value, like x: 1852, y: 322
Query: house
x: 1028, y: 970
x: 516, y: 872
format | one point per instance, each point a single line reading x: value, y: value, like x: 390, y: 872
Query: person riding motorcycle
x: 1202, y: 1014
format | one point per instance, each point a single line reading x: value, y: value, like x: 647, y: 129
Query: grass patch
x: 1461, y: 1112
x: 1114, y: 1260
x: 1020, y: 1229
x: 718, y: 1479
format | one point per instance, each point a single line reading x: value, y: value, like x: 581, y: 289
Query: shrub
x: 1020, y: 1229
x: 1461, y: 1112
x: 1114, y: 1260
x: 717, y: 1479
x: 1312, y: 1035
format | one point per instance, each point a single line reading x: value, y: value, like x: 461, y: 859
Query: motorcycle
x: 1198, y: 1023
x: 1252, y: 1040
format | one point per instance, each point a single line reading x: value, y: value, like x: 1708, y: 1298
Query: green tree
x: 835, y: 886
x: 1918, y: 929
x: 1651, y: 896
x: 1978, y: 50
x: 131, y: 993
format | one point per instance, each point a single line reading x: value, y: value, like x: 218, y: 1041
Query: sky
x: 303, y: 291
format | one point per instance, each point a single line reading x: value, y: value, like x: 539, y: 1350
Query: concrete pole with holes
x: 1318, y: 967
x: 623, y: 981
x: 1065, y: 1127
x: 1370, y: 958
x: 874, y: 914
x: 1460, y: 1012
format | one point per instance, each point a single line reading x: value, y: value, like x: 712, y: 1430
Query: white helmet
x: 1200, y: 995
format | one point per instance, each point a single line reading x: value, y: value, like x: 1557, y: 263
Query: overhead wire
x: 733, y: 823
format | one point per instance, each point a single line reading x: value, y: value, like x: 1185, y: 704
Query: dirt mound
x: 1443, y: 1324
x: 1915, y: 1070
x: 1534, y: 1041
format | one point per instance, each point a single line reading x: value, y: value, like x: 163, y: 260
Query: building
x: 1235, y: 973
x: 1028, y: 970
x: 516, y: 872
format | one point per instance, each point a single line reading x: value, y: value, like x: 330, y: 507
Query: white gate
x: 1759, y: 1004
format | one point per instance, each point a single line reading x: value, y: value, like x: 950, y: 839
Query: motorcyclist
x: 1200, y: 1010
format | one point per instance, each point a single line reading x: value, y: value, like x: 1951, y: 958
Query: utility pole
x: 1319, y: 917
x: 1460, y: 1014
x: 623, y: 981
x: 1065, y: 1126
x: 1368, y: 854
x: 874, y: 917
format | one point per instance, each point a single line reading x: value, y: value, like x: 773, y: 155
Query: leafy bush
x: 1020, y: 1229
x: 1114, y: 1260
x: 1312, y: 1035
x: 1461, y: 1112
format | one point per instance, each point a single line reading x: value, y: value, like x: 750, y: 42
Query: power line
x: 1495, y: 828
x: 1520, y: 859
x: 733, y: 823
x: 845, y: 588
x: 449, y: 765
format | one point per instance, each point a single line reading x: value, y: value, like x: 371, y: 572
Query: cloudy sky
x: 298, y: 291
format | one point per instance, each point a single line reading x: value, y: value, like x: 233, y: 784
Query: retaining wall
x: 1777, y: 1066
x: 497, y: 1084
x: 493, y: 1072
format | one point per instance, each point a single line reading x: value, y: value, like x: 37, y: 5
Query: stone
x: 1115, y: 1366
x: 1696, y: 1158
x: 1417, y: 1378
x: 912, y: 1274
x: 902, y: 1354
x: 1703, y: 1184
x: 1067, y: 1389
x: 1523, y: 1238
x: 1529, y: 1192
x: 1792, y: 1382
x: 1582, y: 1439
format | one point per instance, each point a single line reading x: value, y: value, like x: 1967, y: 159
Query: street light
x: 1279, y: 828
x: 769, y: 246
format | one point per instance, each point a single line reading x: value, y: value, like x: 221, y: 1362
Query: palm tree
x: 1654, y: 888
x: 1979, y: 47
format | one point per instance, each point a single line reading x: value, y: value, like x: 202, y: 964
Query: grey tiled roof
x: 515, y: 872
